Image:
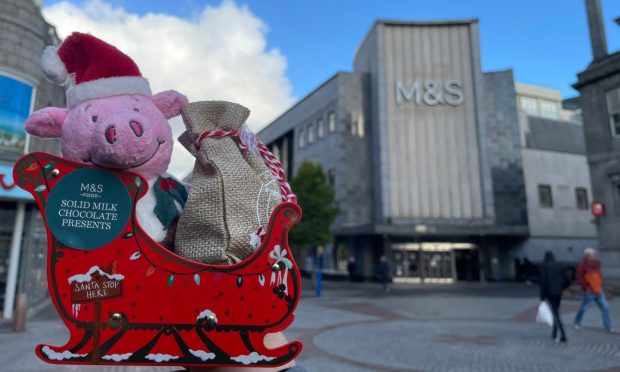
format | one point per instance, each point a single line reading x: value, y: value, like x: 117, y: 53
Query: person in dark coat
x: 352, y: 269
x: 383, y: 273
x: 553, y: 281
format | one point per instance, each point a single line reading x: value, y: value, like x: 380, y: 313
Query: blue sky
x: 546, y: 42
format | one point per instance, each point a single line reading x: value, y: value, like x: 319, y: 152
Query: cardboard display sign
x: 88, y: 208
x: 126, y: 300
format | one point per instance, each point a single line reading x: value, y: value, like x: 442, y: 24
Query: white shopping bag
x: 544, y: 314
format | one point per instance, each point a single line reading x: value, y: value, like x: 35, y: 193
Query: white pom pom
x: 53, y: 67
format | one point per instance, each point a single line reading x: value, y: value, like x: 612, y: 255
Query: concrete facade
x: 504, y: 148
x: 552, y: 141
x: 429, y: 158
x: 23, y: 36
x: 595, y: 85
x: 418, y: 132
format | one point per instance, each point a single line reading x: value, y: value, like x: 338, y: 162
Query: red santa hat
x: 98, y: 69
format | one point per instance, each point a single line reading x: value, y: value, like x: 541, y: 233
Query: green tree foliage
x: 316, y: 198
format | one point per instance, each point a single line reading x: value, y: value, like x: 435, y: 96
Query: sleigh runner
x: 128, y: 301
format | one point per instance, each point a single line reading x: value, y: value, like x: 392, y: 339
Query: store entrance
x: 434, y: 262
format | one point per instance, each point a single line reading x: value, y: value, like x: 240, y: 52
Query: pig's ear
x: 170, y: 102
x: 46, y: 122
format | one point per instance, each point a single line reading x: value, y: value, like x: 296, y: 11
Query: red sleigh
x: 132, y: 302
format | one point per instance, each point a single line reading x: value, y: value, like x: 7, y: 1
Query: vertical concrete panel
x: 432, y: 149
x: 392, y: 63
x: 421, y: 71
x: 484, y: 205
x: 413, y: 132
x: 435, y: 191
x: 382, y: 132
x: 445, y: 128
x: 465, y: 142
x: 453, y: 134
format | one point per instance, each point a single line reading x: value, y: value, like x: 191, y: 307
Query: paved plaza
x: 354, y: 327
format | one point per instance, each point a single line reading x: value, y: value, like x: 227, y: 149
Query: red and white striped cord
x: 215, y: 134
x: 274, y: 165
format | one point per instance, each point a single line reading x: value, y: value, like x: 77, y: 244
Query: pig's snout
x: 110, y: 131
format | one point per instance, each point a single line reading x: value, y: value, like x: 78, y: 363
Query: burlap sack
x: 232, y: 192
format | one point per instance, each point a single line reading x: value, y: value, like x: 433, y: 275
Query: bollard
x: 19, y: 324
x: 319, y: 271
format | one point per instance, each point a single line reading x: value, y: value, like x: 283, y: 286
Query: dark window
x: 301, y: 138
x: 320, y: 128
x: 613, y: 108
x: 544, y: 196
x: 581, y: 195
x: 331, y: 121
x: 354, y: 123
x: 331, y: 177
x: 615, y: 122
x: 310, y: 133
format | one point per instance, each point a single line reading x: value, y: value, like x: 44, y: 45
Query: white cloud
x: 219, y: 53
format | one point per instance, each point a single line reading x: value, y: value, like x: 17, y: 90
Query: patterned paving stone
x: 460, y: 328
x: 466, y: 345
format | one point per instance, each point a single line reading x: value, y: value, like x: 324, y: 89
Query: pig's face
x: 119, y: 132
x: 125, y: 132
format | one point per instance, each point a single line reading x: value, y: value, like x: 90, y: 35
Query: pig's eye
x: 94, y: 119
x: 136, y: 110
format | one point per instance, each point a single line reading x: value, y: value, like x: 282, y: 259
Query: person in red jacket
x: 591, y: 282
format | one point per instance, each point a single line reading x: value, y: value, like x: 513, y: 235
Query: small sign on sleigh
x: 126, y: 300
x: 95, y: 285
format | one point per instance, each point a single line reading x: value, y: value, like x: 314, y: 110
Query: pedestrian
x: 518, y: 269
x: 553, y: 281
x: 352, y: 269
x: 591, y: 282
x: 527, y: 270
x: 383, y: 273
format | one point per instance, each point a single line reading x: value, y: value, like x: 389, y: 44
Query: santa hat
x: 98, y: 69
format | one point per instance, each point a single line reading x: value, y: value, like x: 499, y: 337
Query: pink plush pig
x: 112, y: 120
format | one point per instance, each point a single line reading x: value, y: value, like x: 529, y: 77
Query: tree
x: 316, y: 199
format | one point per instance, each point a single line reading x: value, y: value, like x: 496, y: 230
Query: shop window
x: 310, y: 133
x: 581, y: 195
x: 320, y: 127
x: 301, y: 140
x: 342, y: 258
x: 613, y: 109
x: 545, y: 196
x: 331, y: 121
x: 15, y: 100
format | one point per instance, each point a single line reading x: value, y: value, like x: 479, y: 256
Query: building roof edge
x: 334, y: 76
